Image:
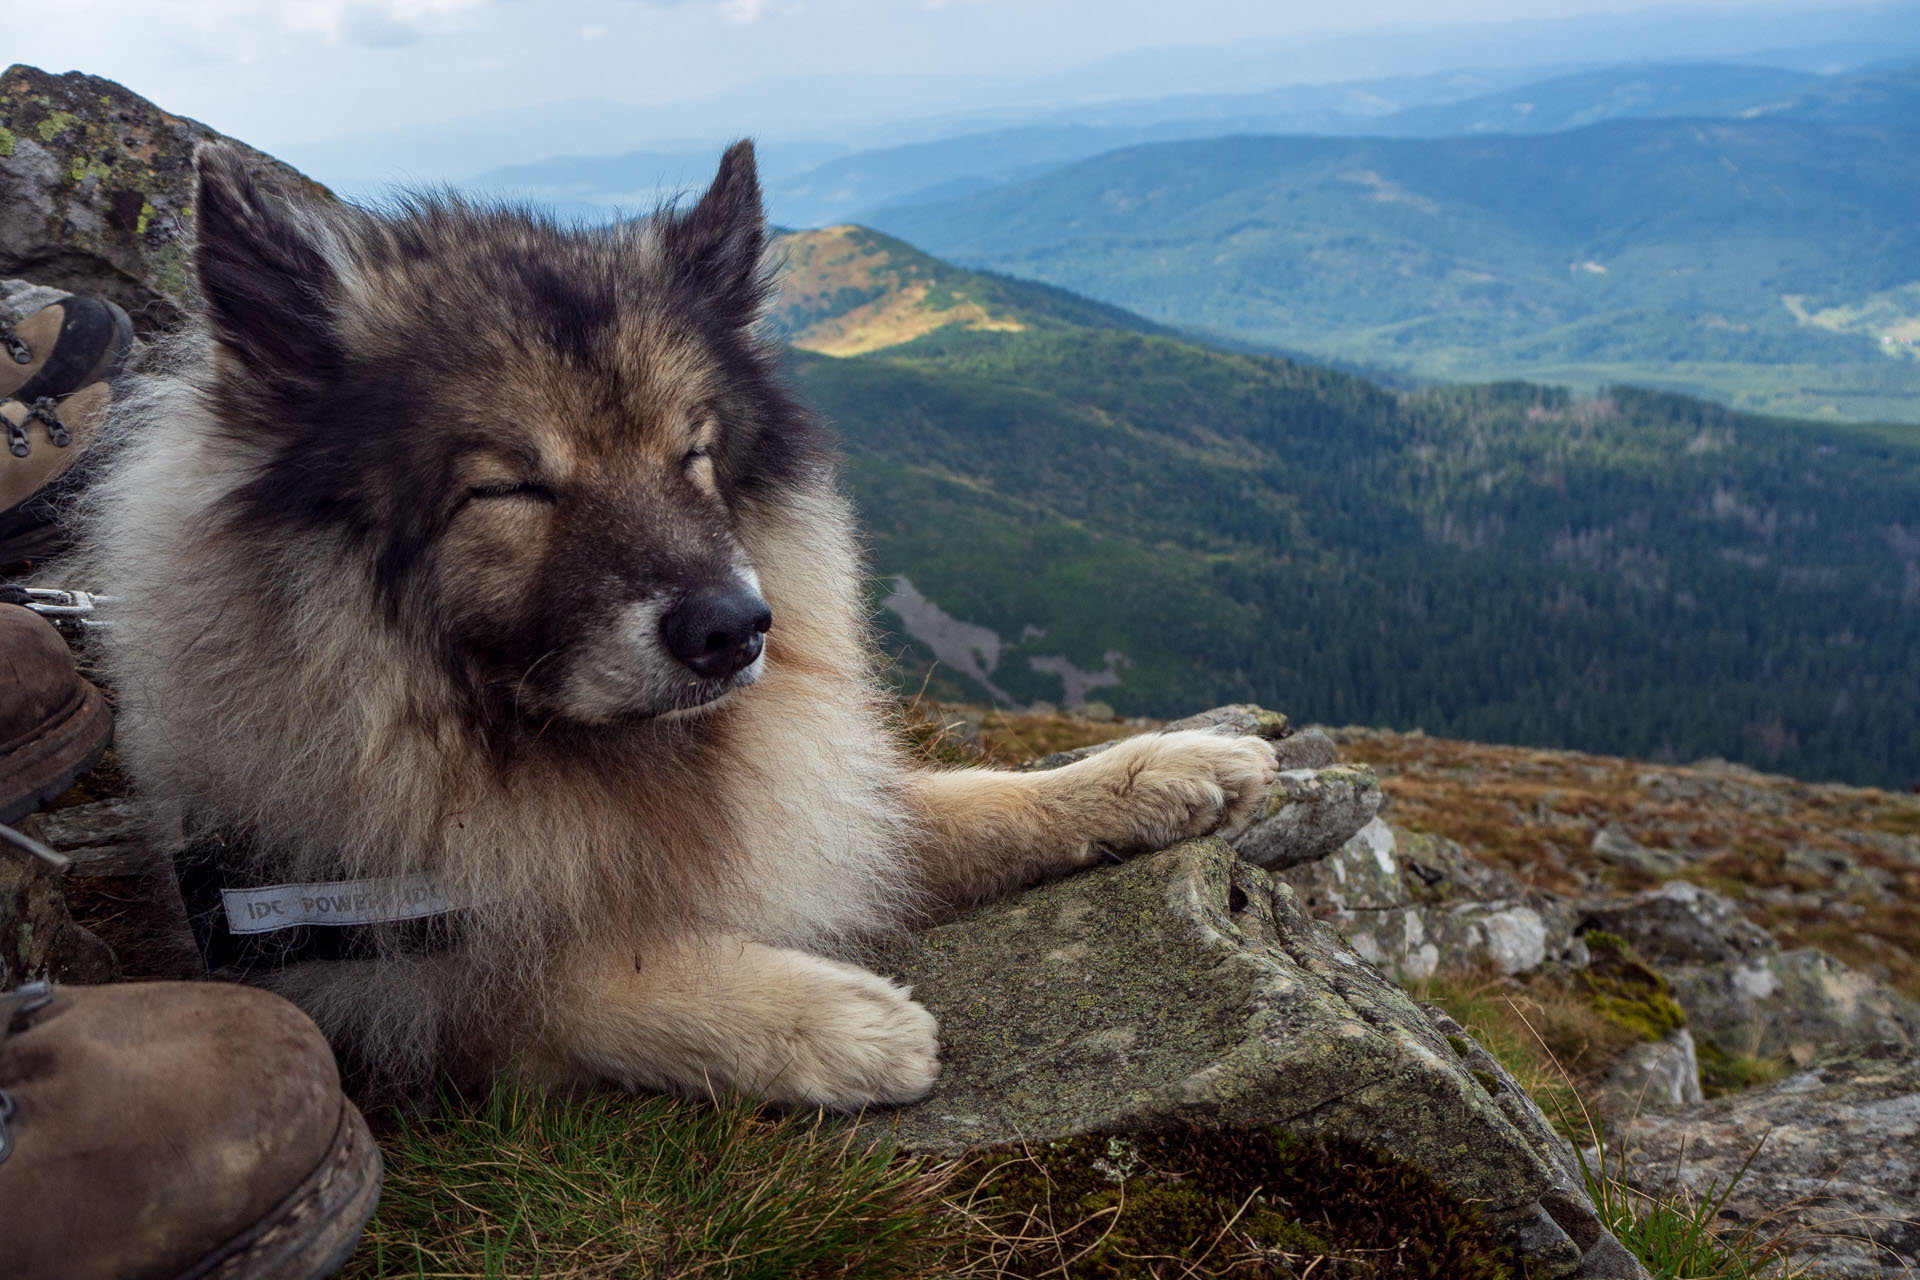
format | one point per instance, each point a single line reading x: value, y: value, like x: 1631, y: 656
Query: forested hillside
x: 1642, y: 573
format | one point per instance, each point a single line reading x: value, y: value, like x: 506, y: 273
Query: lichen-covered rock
x: 1681, y: 924
x: 96, y: 191
x: 1414, y: 904
x: 1309, y: 814
x: 1790, y: 1004
x: 1838, y: 1156
x: 1188, y: 988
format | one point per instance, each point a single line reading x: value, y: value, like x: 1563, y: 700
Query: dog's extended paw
x: 857, y: 1040
x: 1189, y: 783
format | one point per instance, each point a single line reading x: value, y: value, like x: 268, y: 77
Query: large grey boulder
x: 1189, y: 988
x: 1793, y: 1004
x: 1838, y: 1158
x: 96, y: 191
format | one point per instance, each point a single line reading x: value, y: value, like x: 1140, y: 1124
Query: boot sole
x: 36, y: 769
x: 315, y: 1229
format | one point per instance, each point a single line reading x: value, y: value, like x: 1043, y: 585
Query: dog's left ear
x: 718, y: 243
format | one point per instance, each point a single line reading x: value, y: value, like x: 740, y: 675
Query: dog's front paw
x: 858, y: 1040
x: 1189, y: 783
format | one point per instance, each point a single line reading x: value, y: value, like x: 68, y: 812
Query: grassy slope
x: 847, y: 290
x: 1644, y: 575
x: 1667, y: 248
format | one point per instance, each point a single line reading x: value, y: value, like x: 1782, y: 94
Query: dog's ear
x: 269, y: 288
x: 718, y: 244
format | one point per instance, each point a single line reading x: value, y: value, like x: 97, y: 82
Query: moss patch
x: 1236, y: 1203
x: 1629, y: 993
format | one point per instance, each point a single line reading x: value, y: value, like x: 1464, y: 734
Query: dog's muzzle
x: 717, y: 631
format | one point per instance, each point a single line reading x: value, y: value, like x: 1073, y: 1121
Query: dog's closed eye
x: 522, y: 490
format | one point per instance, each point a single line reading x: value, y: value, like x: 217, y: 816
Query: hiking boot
x: 62, y: 347
x: 45, y: 438
x: 175, y: 1130
x: 53, y: 724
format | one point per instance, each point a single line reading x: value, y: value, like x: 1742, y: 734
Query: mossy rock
x: 1627, y: 991
x: 1188, y: 990
x: 1256, y: 1202
x: 97, y: 190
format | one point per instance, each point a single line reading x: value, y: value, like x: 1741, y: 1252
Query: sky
x: 287, y: 74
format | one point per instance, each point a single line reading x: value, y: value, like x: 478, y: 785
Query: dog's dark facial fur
x: 535, y: 439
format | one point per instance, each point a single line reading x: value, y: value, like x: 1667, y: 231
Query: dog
x: 489, y: 632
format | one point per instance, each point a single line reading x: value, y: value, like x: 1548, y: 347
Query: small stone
x: 1309, y: 814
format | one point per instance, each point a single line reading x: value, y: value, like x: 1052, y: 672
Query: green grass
x: 518, y: 1184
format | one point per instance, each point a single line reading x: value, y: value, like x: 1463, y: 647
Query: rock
x: 1309, y: 814
x: 1306, y: 749
x: 1790, y: 1004
x: 1414, y: 904
x: 1241, y: 719
x: 96, y: 191
x: 1680, y: 923
x: 1188, y: 988
x: 1649, y: 1077
x: 38, y: 938
x: 1837, y: 1158
x: 1613, y: 843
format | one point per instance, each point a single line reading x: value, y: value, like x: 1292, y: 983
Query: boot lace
x: 43, y: 410
x: 15, y: 1007
x: 16, y: 346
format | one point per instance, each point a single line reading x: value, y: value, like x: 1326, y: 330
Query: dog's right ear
x: 269, y: 288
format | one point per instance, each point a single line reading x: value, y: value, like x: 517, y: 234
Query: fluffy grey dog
x: 489, y: 623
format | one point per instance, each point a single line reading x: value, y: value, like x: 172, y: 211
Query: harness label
x: 339, y: 902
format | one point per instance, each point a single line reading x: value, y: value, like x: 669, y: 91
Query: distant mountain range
x: 820, y: 183
x: 1767, y: 261
x: 1064, y: 505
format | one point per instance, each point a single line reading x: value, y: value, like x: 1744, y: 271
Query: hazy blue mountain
x: 855, y: 185
x: 1609, y: 93
x: 1749, y: 258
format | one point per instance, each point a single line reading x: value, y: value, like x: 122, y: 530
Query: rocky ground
x: 1748, y: 943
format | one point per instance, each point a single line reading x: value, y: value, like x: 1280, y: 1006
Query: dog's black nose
x: 718, y: 630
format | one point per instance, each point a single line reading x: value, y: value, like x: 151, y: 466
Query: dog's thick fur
x: 391, y: 535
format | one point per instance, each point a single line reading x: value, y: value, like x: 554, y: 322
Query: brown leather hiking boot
x: 62, y: 347
x: 53, y: 724
x: 174, y: 1131
x: 45, y: 438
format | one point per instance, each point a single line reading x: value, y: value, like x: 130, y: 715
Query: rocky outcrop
x: 1189, y: 988
x: 1414, y: 904
x: 96, y: 191
x: 1680, y: 924
x: 1833, y: 1158
x: 1794, y: 1004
